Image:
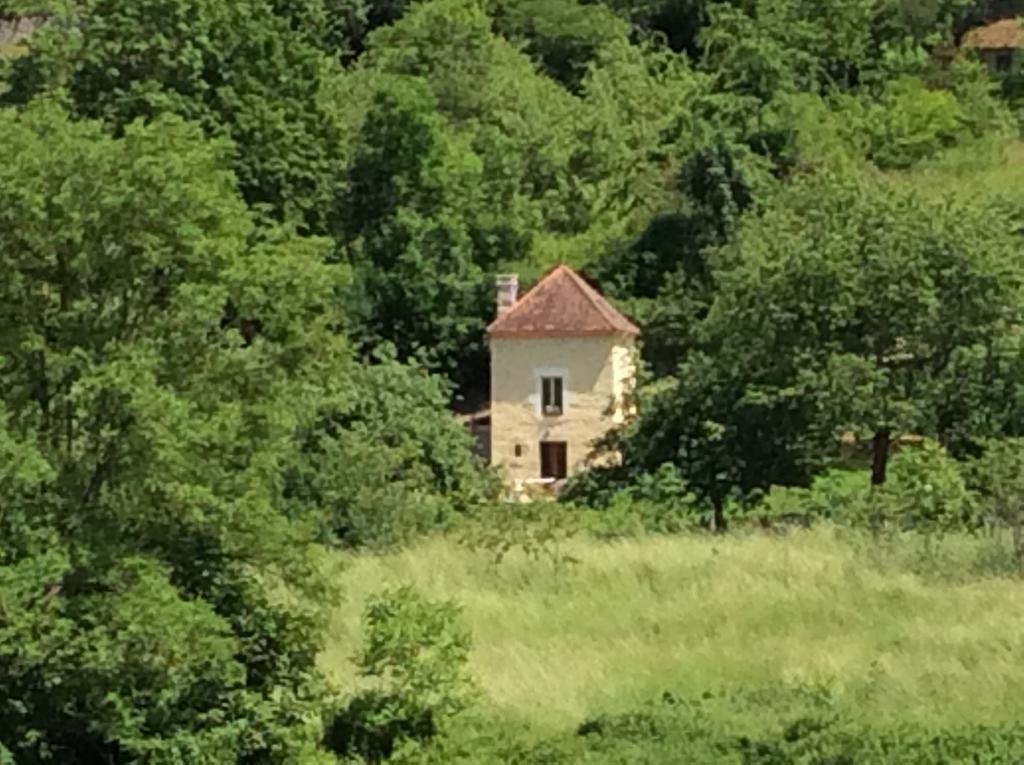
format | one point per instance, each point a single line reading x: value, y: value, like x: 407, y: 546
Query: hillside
x: 773, y: 416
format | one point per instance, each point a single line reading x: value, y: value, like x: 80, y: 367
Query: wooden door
x: 554, y: 462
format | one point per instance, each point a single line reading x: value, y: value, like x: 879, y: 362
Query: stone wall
x: 596, y: 372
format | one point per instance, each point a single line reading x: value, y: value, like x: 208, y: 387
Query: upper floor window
x: 551, y: 396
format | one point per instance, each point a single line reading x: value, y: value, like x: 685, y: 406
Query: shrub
x: 416, y: 651
x: 786, y: 505
x: 677, y: 730
x: 925, y: 492
x: 838, y: 494
x: 660, y: 502
x: 692, y: 730
x: 837, y: 489
x: 389, y: 462
x: 985, y: 113
x: 998, y: 478
x: 911, y: 123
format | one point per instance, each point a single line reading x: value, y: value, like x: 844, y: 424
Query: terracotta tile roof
x: 561, y: 304
x: 1007, y: 33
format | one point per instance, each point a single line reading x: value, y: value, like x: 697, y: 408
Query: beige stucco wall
x: 598, y: 372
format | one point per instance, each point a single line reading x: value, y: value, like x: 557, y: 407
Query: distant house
x: 999, y: 45
x: 562, y: 369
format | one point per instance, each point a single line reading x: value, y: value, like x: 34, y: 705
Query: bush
x: 837, y: 495
x: 416, y: 651
x: 660, y: 502
x: 997, y: 476
x: 390, y: 462
x: 691, y: 730
x: 911, y: 123
x: 675, y: 730
x: 985, y: 114
x: 925, y: 492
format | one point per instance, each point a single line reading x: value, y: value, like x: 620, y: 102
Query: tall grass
x: 894, y: 631
x: 986, y: 170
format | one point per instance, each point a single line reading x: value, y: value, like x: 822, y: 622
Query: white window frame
x: 539, y: 374
x: 557, y: 386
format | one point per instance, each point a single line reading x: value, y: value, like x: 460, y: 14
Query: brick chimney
x: 508, y: 292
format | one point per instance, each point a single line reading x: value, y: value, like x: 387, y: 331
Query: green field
x: 986, y: 170
x: 893, y: 632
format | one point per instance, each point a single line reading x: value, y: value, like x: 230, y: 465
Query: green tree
x: 910, y: 123
x: 572, y: 169
x: 563, y: 36
x: 663, y: 277
x: 248, y: 70
x: 145, y: 536
x: 865, y: 294
x: 729, y: 442
x: 349, y: 22
x: 646, y: 111
x: 678, y: 22
x: 390, y: 462
x: 847, y: 305
x: 421, y: 234
x: 416, y: 654
x: 870, y: 56
x: 447, y: 42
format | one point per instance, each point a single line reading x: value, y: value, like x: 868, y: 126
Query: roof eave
x: 1005, y: 46
x: 540, y: 334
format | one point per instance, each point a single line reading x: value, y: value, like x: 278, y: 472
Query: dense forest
x: 247, y: 258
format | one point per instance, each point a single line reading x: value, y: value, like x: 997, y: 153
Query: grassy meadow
x: 893, y: 631
x: 988, y: 169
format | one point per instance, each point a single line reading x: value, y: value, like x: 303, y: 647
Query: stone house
x: 999, y: 45
x: 562, y: 369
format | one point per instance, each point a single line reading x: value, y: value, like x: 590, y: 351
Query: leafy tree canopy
x: 245, y: 70
x: 847, y: 305
x: 142, y: 505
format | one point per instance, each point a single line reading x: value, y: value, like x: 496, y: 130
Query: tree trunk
x: 719, y: 524
x: 1017, y: 530
x: 880, y: 456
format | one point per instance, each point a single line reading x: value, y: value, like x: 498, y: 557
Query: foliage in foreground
x: 179, y: 413
x: 157, y: 356
x: 388, y: 462
x: 677, y: 729
x: 680, y: 730
x: 416, y: 652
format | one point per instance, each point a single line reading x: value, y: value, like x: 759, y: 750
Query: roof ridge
x: 605, y: 318
x: 596, y: 299
x: 530, y: 294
